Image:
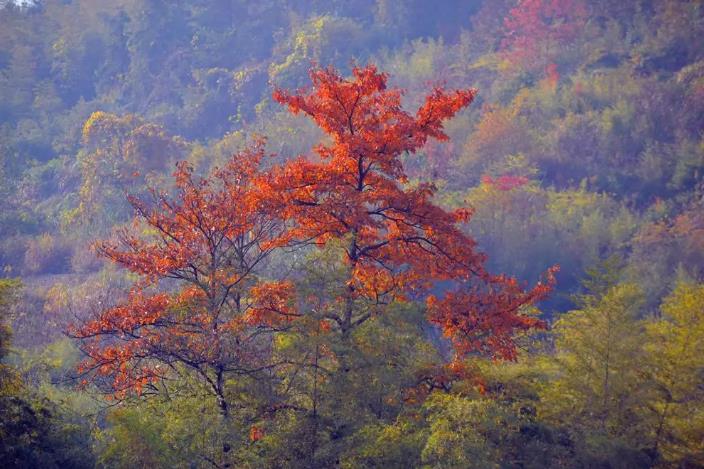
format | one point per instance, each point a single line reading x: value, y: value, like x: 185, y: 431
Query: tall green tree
x: 599, y: 391
x: 675, y: 358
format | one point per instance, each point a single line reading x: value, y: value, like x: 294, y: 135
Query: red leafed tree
x: 210, y: 240
x: 201, y: 305
x: 398, y: 243
x: 535, y: 29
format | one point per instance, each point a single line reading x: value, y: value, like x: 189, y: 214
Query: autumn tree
x: 212, y: 240
x: 397, y: 241
x: 536, y: 29
x: 387, y: 244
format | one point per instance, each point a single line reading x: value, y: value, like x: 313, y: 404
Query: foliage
x: 583, y: 147
x: 212, y: 240
x: 674, y: 349
x: 35, y: 430
x: 534, y: 28
x: 599, y: 352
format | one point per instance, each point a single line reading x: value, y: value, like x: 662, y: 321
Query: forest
x: 352, y: 234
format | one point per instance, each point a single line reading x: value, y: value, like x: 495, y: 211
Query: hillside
x: 411, y: 322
